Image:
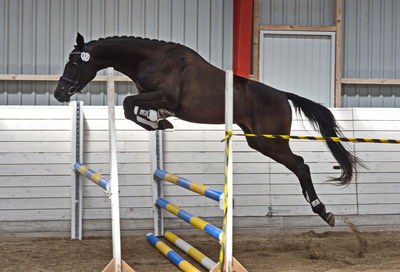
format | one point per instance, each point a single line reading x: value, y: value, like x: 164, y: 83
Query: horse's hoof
x: 130, y: 115
x: 330, y: 219
x: 164, y: 124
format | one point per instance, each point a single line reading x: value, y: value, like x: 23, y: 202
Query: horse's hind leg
x: 304, y: 176
x: 280, y: 151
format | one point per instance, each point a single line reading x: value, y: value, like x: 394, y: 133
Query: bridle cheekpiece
x: 74, y: 87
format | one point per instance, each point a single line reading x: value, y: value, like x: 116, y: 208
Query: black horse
x: 174, y: 80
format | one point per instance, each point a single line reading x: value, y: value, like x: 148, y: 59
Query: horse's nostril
x: 72, y: 90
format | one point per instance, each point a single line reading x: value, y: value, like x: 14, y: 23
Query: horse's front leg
x: 148, y: 110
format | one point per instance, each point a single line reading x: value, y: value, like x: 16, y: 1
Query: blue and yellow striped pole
x: 199, y: 188
x: 190, y: 250
x: 174, y: 257
x: 103, y: 182
x: 191, y: 219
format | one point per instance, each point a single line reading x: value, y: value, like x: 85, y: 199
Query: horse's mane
x: 129, y: 38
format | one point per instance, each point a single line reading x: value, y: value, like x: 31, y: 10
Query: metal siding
x: 27, y: 48
x: 297, y: 12
x: 177, y: 21
x: 203, y: 28
x: 371, y: 39
x: 372, y: 36
x: 138, y: 17
x: 164, y: 20
x: 151, y: 19
x: 216, y: 33
x: 298, y: 63
x: 57, y: 60
x: 190, y: 38
x: 227, y: 34
x: 3, y: 33
x: 375, y: 96
x: 38, y: 35
x: 123, y: 20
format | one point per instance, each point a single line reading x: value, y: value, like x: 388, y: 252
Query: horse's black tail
x: 323, y: 119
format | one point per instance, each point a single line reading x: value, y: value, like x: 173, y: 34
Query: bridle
x: 74, y: 87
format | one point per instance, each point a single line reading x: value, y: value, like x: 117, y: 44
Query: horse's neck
x: 124, y: 56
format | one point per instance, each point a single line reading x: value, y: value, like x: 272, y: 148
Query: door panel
x: 300, y: 63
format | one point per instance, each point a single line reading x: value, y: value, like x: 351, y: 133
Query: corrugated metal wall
x: 283, y: 64
x: 38, y: 35
x: 371, y: 50
x: 371, y: 41
x: 291, y: 63
x: 297, y: 12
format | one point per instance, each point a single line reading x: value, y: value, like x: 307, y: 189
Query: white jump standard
x: 226, y: 262
x: 104, y: 183
x: 109, y: 185
x: 159, y: 176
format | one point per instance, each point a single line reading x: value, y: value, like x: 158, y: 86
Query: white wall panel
x: 35, y: 169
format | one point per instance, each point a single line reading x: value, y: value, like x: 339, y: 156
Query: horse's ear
x: 80, y: 42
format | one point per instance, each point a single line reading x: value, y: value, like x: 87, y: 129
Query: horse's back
x: 203, y: 93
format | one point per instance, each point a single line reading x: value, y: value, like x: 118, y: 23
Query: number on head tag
x: 85, y: 56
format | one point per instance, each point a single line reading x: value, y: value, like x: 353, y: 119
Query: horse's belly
x: 204, y: 115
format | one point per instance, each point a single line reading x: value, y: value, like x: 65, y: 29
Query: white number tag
x: 85, y: 56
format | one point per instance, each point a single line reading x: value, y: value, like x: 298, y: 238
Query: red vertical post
x: 242, y: 33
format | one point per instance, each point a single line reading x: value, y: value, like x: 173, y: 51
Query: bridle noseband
x: 74, y: 87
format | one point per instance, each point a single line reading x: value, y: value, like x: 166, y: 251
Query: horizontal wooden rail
x: 371, y: 81
x: 299, y: 28
x: 28, y: 77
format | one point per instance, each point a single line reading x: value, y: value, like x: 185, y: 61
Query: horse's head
x: 78, y: 72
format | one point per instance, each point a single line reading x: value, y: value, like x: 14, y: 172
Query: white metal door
x: 299, y: 62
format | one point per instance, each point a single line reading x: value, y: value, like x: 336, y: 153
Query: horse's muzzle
x: 62, y: 95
